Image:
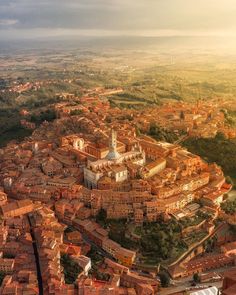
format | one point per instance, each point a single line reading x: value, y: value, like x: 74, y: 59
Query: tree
x: 138, y: 132
x: 215, y: 150
x: 220, y: 136
x: 229, y: 207
x: 71, y: 269
x: 165, y: 279
x: 196, y: 278
x: 48, y: 115
x: 69, y: 229
x: 2, y: 276
x: 233, y: 228
x: 229, y: 180
x: 101, y: 217
x: 102, y: 276
x: 76, y: 112
x: 108, y: 119
x: 160, y: 133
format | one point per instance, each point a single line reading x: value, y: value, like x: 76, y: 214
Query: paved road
x: 181, y: 139
x: 184, y: 284
x: 188, y: 287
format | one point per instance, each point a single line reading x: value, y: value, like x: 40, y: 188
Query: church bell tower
x: 113, y: 154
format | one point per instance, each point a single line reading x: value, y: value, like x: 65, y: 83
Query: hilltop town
x: 92, y: 203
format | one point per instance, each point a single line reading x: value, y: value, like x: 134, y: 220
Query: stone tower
x: 35, y: 147
x: 113, y: 154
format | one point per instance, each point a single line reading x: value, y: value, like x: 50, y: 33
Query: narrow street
x: 36, y: 255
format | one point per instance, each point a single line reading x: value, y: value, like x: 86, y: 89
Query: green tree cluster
x: 71, y: 269
x: 76, y: 112
x: 218, y: 149
x: 229, y: 207
x: 162, y: 134
x: 161, y: 240
x: 48, y: 115
x: 101, y: 218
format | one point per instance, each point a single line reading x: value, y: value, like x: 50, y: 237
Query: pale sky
x: 28, y: 18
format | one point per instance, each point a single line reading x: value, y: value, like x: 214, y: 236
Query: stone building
x: 114, y: 165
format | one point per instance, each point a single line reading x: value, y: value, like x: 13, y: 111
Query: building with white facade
x: 114, y: 165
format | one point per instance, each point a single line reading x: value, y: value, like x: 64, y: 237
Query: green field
x: 148, y: 78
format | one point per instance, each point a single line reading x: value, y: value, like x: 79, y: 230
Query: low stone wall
x: 193, y: 228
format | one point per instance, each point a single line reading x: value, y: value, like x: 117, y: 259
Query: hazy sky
x: 27, y: 18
